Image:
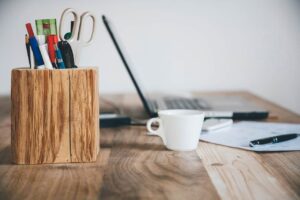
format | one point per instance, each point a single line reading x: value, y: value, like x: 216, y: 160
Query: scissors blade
x: 83, y: 18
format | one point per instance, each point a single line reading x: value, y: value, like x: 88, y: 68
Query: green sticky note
x: 53, y: 28
x: 46, y: 27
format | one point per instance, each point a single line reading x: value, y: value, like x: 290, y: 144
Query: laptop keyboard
x: 185, y: 103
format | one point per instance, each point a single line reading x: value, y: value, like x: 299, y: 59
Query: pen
x: 34, y: 46
x: 274, y: 139
x: 28, y: 48
x: 43, y: 48
x: 51, y: 50
x: 60, y: 62
x: 32, y: 64
x: 45, y: 55
x: 67, y: 54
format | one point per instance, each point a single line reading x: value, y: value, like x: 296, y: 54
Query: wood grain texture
x: 289, y: 166
x: 84, y: 110
x: 47, y: 126
x: 40, y: 115
x: 239, y: 173
x: 140, y: 167
x: 131, y: 165
x: 48, y: 181
x: 242, y: 174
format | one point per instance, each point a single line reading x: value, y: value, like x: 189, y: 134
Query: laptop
x: 235, y: 107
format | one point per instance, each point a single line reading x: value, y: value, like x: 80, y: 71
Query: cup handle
x: 157, y: 132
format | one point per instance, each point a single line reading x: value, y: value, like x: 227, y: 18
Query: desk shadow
x: 105, y: 145
x: 5, y: 156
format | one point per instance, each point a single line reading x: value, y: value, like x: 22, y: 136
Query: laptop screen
x: 133, y: 77
x: 215, y: 110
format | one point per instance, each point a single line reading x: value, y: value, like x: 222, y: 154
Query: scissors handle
x: 75, y: 27
x: 83, y: 18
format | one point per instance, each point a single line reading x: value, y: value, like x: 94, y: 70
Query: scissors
x: 76, y: 41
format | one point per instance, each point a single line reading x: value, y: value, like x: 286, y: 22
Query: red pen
x: 55, y: 39
x: 51, y: 50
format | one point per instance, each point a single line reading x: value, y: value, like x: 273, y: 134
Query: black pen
x: 28, y: 48
x: 274, y: 139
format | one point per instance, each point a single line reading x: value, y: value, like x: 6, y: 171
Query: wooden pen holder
x: 54, y: 115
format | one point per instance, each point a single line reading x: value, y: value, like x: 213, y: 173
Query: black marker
x: 274, y: 139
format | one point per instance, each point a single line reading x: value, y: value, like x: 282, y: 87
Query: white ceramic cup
x: 179, y: 129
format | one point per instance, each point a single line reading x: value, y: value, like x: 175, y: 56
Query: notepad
x: 240, y: 134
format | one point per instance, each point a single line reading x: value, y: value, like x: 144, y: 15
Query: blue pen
x: 59, y: 60
x: 34, y: 46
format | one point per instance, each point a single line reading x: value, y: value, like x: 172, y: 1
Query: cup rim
x: 180, y: 112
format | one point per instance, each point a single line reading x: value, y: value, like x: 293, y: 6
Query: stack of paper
x: 240, y: 134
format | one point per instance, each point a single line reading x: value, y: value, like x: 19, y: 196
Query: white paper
x: 240, y: 134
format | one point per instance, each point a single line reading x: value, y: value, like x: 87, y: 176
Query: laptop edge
x: 251, y: 115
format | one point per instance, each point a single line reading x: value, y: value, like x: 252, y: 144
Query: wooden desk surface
x: 132, y: 165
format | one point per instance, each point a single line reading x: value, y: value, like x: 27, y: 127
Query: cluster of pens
x: 44, y: 50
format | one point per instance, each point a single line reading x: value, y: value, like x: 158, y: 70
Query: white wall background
x: 178, y: 45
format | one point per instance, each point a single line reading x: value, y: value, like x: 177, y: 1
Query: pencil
x: 28, y: 48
